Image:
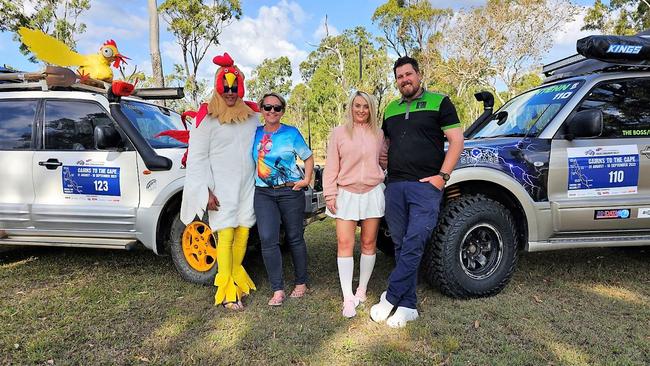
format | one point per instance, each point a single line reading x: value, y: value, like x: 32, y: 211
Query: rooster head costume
x: 229, y: 78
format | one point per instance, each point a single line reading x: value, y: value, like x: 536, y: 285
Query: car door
x: 78, y: 188
x: 17, y: 133
x: 603, y: 183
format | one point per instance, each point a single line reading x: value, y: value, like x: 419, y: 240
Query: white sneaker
x: 401, y: 317
x: 380, y: 311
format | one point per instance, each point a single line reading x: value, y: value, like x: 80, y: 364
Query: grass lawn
x: 82, y: 306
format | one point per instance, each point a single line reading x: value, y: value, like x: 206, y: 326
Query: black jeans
x: 272, y: 207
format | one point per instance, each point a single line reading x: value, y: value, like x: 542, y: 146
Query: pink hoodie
x: 354, y: 163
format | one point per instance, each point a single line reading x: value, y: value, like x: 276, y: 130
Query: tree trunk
x: 154, y: 45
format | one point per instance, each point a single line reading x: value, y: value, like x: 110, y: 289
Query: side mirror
x: 107, y: 137
x: 587, y: 123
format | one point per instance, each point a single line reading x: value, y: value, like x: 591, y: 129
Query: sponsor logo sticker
x: 622, y: 48
x: 644, y: 213
x: 618, y: 214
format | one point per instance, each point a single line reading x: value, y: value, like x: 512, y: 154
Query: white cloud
x: 29, y: 7
x: 250, y: 40
x: 323, y: 31
x: 564, y: 40
x: 106, y: 21
x: 171, y: 53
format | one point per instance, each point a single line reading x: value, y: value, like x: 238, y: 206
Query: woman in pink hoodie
x: 354, y: 191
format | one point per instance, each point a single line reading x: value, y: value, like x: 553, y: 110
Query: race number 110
x: 616, y: 176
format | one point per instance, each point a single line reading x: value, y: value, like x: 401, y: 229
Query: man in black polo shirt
x: 418, y: 168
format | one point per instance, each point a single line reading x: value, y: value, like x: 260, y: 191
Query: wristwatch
x: 445, y: 176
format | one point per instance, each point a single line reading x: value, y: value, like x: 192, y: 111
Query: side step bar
x: 589, y: 242
x: 76, y: 242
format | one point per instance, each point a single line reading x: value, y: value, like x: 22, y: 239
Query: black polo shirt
x: 415, y: 130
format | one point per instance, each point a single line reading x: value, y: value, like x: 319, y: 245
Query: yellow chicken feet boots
x: 227, y: 292
x: 243, y: 282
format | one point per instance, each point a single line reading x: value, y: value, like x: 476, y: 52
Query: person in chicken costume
x: 220, y: 178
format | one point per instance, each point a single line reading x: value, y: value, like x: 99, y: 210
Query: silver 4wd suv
x: 565, y: 165
x: 82, y: 167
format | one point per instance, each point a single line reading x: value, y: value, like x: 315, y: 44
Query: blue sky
x: 267, y: 29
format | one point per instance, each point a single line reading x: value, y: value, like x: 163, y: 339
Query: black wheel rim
x: 481, y: 251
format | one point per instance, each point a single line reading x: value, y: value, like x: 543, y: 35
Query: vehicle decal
x: 152, y: 185
x: 603, y: 170
x: 548, y: 94
x: 91, y: 180
x: 643, y: 213
x: 525, y: 160
x: 617, y: 214
x: 636, y: 132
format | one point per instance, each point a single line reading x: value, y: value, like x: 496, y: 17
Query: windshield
x: 150, y: 120
x: 529, y: 113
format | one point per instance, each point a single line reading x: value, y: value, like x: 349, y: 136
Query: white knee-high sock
x: 346, y: 271
x: 367, y: 263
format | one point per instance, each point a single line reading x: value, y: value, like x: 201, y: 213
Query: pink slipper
x: 361, y: 294
x: 349, y: 307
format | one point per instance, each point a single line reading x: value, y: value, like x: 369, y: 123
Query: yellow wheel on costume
x: 199, y: 246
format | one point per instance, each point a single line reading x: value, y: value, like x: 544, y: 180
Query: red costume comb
x: 224, y: 60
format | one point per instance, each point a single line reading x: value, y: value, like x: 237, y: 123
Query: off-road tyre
x: 175, y: 248
x: 449, y: 264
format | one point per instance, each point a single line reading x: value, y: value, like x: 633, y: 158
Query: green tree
x: 622, y: 17
x: 414, y: 28
x: 408, y: 26
x: 271, y: 75
x: 197, y: 26
x: 178, y: 79
x: 331, y: 73
x: 58, y: 18
x: 499, y: 43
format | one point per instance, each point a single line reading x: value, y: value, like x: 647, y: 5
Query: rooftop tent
x: 616, y: 49
x: 602, y: 53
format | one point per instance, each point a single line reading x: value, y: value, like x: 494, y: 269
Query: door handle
x: 646, y: 151
x: 51, y: 163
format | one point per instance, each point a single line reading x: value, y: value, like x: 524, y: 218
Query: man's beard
x: 411, y: 94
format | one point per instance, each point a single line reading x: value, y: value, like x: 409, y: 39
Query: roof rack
x: 578, y: 64
x: 57, y: 78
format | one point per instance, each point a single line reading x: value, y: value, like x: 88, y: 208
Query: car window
x: 151, y: 120
x: 529, y: 113
x: 16, y: 124
x: 70, y: 125
x: 625, y: 105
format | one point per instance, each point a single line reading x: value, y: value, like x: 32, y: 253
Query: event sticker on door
x: 603, y: 170
x: 643, y: 213
x: 91, y: 180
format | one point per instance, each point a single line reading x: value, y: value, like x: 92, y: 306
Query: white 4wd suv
x: 83, y: 168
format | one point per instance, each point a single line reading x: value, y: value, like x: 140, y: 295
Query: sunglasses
x: 230, y: 89
x: 268, y: 107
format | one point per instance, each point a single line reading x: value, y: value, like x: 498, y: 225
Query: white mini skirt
x: 359, y: 206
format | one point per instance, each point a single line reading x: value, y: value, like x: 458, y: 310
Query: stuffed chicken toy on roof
x: 51, y: 50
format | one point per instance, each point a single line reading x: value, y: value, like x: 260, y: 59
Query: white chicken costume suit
x: 219, y: 159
